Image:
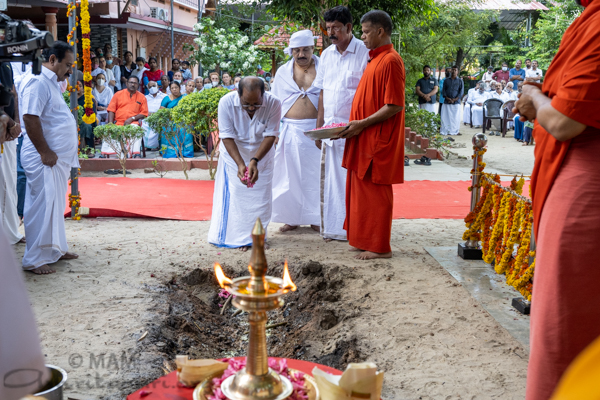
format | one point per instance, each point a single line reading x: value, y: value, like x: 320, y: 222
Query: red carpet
x: 192, y: 200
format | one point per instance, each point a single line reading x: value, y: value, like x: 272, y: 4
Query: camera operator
x: 8, y: 165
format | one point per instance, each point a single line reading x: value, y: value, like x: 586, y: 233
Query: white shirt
x: 103, y: 98
x: 287, y: 89
x: 116, y: 70
x: 504, y: 97
x: 40, y: 96
x: 98, y: 71
x: 531, y: 73
x: 154, y: 101
x: 235, y: 123
x: 477, y: 97
x: 139, y: 73
x: 338, y: 76
x: 110, y: 76
x: 487, y: 77
x: 18, y: 73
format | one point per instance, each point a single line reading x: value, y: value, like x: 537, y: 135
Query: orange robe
x: 565, y: 309
x: 375, y: 158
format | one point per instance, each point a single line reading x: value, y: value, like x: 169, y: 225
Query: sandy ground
x: 432, y: 339
x: 409, y: 316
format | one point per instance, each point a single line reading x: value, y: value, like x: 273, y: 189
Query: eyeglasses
x: 251, y: 106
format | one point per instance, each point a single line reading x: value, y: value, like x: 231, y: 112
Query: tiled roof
x: 278, y: 38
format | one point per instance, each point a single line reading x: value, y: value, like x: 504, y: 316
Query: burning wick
x: 287, y: 279
x: 223, y: 280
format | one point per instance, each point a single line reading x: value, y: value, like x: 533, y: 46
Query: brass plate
x: 329, y: 133
x: 205, y: 387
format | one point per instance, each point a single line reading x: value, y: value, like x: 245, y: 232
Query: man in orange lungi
x: 374, y: 153
x: 565, y: 307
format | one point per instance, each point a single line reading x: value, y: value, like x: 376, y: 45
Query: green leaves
x: 197, y: 112
x: 161, y: 122
x: 119, y: 133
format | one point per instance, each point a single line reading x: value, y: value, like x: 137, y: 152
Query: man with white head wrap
x: 296, y: 176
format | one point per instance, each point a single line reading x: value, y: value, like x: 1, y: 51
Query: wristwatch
x: 255, y: 159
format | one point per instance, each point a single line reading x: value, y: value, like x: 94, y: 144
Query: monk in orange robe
x: 374, y: 153
x: 565, y: 306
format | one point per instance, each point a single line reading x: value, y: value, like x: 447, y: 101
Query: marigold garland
x: 89, y: 116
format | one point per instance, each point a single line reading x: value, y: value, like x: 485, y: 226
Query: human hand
x: 524, y: 106
x: 252, y: 172
x: 242, y: 173
x: 318, y: 143
x: 354, y: 128
x: 427, y: 97
x: 49, y: 158
x: 128, y: 121
x: 14, y: 131
x: 479, y: 104
x: 4, y: 136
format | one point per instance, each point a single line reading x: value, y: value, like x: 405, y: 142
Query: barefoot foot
x: 327, y: 240
x: 287, y: 228
x: 22, y: 240
x: 316, y: 228
x: 244, y: 249
x: 43, y: 270
x: 352, y: 248
x: 69, y: 256
x: 369, y: 255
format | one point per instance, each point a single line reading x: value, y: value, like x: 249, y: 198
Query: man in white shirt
x: 488, y: 77
x: 154, y: 99
x: 499, y: 94
x: 512, y: 93
x: 109, y: 75
x: 48, y: 154
x: 296, y: 178
x: 340, y: 68
x: 467, y: 108
x: 476, y: 100
x: 115, y: 68
x: 534, y: 74
x: 248, y: 126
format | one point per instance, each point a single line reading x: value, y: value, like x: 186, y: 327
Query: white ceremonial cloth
x: 477, y: 111
x: 45, y: 194
x: 8, y: 192
x: 235, y: 206
x: 296, y: 179
x: 21, y: 359
x: 428, y: 107
x: 451, y: 119
x: 151, y: 137
x: 287, y: 90
x: 338, y: 76
x: 303, y: 38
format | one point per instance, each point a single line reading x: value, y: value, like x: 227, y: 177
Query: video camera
x: 20, y: 41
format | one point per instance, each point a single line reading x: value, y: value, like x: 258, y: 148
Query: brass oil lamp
x: 257, y: 294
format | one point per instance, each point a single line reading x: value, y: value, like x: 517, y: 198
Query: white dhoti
x: 296, y: 177
x: 467, y: 114
x: 428, y: 107
x: 333, y: 190
x: 45, y: 202
x: 110, y: 147
x: 150, y: 137
x: 236, y: 206
x: 450, y: 119
x: 477, y: 113
x: 9, y: 216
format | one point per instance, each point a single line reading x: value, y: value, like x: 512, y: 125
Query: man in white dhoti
x: 48, y: 154
x: 453, y: 93
x: 340, y: 69
x: 248, y: 126
x: 467, y: 106
x: 296, y: 178
x: 154, y: 99
x: 476, y: 100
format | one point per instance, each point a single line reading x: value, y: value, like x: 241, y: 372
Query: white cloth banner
x: 296, y: 178
x: 22, y: 369
x: 236, y: 206
x: 333, y: 190
x: 451, y: 119
x: 8, y: 192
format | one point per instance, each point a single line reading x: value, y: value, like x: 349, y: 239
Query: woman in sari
x: 153, y: 74
x: 172, y: 100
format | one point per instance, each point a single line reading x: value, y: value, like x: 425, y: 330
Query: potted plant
x: 121, y: 139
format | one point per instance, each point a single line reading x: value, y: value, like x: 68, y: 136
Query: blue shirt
x: 513, y: 71
x: 442, y: 90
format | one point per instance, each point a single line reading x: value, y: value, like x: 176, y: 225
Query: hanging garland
x: 89, y: 116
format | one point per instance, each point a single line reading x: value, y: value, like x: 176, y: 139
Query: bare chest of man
x: 303, y: 108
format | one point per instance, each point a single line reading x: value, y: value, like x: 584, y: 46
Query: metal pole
x: 479, y: 142
x: 73, y: 100
x: 172, y: 35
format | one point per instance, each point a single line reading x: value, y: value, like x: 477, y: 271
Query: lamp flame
x: 287, y: 279
x: 223, y: 280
